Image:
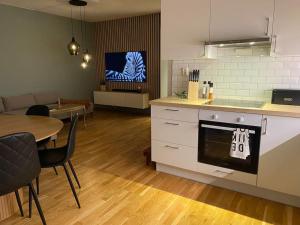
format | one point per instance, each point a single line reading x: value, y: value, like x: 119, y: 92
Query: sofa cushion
x: 1, y: 105
x: 18, y: 102
x: 17, y: 112
x: 46, y: 98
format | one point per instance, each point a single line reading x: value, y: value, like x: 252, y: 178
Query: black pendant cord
x: 85, y: 39
x: 72, y: 25
x: 81, y: 26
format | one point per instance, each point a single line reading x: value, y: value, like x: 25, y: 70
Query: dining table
x: 42, y: 128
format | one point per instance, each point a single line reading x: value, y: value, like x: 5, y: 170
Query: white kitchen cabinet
x: 175, y: 113
x: 279, y: 163
x: 184, y: 25
x: 286, y: 28
x: 240, y: 19
x: 172, y: 131
x: 173, y: 154
x: 224, y: 173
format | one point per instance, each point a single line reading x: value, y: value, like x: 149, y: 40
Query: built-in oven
x: 229, y: 145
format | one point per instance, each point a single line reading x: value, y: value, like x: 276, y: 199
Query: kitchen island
x: 193, y: 139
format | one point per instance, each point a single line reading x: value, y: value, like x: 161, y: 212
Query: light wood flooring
x: 117, y: 187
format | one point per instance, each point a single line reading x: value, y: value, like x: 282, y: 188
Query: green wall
x: 34, y: 57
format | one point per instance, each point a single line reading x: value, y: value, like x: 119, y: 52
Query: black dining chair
x: 41, y: 110
x: 61, y: 156
x: 19, y: 165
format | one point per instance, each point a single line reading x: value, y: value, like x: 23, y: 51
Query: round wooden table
x: 41, y: 127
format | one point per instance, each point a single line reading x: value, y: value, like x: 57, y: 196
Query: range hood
x: 260, y: 42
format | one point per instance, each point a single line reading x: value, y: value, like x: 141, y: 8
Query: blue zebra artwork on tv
x: 126, y: 66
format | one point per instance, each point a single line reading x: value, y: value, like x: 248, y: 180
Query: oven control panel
x: 231, y: 117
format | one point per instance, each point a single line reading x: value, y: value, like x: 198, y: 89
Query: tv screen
x: 126, y: 66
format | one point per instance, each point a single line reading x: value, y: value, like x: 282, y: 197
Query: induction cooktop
x: 236, y: 103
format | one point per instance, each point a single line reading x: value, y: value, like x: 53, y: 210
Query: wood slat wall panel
x: 140, y: 33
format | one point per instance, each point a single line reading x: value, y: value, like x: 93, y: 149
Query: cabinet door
x: 184, y: 26
x: 240, y: 19
x: 286, y: 28
x: 279, y: 162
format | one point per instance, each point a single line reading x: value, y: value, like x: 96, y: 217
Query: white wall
x: 245, y: 77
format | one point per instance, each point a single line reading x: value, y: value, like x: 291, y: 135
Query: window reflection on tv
x: 125, y: 66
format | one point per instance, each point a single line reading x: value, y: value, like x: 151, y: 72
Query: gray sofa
x: 18, y: 105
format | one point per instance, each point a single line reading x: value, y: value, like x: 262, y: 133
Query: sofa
x: 18, y: 105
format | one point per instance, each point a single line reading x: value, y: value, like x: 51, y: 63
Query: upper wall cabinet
x: 184, y: 25
x: 240, y: 19
x: 286, y: 28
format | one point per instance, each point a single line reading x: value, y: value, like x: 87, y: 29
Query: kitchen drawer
x: 174, y: 113
x: 173, y: 154
x: 225, y: 173
x: 231, y: 117
x: 182, y: 133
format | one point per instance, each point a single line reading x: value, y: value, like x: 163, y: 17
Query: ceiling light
x: 84, y: 65
x: 86, y: 56
x: 251, y: 43
x: 221, y: 45
x: 73, y: 47
x: 78, y: 2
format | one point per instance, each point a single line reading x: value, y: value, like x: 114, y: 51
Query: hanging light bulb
x: 86, y: 57
x: 73, y: 47
x: 83, y: 65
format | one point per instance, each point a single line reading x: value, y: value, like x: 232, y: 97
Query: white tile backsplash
x: 244, y: 77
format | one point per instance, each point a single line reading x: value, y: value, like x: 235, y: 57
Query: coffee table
x: 69, y: 109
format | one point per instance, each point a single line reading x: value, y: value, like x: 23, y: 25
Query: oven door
x: 232, y: 146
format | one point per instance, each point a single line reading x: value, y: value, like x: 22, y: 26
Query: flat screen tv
x: 126, y: 66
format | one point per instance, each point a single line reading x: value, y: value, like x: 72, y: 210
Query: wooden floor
x: 117, y: 187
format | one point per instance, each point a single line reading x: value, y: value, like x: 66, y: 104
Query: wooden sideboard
x: 122, y: 99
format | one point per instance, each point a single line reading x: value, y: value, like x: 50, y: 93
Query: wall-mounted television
x: 126, y: 66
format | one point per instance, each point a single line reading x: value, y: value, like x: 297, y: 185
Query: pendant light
x: 84, y: 65
x: 86, y: 57
x: 73, y: 46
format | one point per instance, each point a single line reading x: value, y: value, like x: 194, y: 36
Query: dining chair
x: 61, y: 156
x: 19, y: 165
x: 41, y: 110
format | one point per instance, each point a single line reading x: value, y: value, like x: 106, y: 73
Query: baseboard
x: 123, y: 109
x: 231, y: 185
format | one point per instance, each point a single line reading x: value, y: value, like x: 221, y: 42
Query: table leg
x: 84, y: 115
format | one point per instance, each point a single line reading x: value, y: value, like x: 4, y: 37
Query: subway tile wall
x: 242, y: 77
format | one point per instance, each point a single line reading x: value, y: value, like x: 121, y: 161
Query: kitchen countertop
x: 266, y: 109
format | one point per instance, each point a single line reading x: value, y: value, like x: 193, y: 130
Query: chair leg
x: 30, y: 203
x: 37, y: 180
x: 19, y: 202
x: 55, y: 170
x: 37, y: 203
x: 71, y: 185
x: 54, y: 143
x: 74, y: 173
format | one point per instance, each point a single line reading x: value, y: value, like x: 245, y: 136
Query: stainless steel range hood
x: 261, y: 42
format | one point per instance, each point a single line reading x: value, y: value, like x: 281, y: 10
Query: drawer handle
x: 172, y: 147
x: 220, y: 171
x: 264, y: 125
x: 173, y: 124
x: 172, y: 110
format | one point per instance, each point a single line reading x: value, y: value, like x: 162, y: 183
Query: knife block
x: 193, y: 90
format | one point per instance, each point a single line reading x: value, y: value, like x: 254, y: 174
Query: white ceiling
x: 96, y: 10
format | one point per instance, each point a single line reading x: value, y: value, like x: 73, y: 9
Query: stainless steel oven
x: 230, y: 145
